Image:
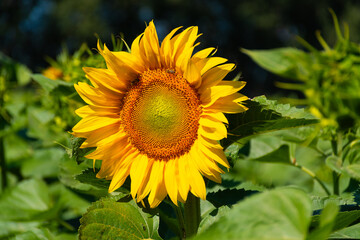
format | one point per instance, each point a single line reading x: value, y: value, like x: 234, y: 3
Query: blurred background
x: 30, y: 30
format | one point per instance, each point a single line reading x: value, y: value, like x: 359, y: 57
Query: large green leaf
x: 352, y: 232
x: 277, y: 214
x: 257, y: 164
x: 344, y: 219
x: 27, y: 199
x: 44, y: 163
x: 11, y: 227
x: 287, y: 62
x: 264, y: 116
x: 35, y: 234
x: 108, y: 219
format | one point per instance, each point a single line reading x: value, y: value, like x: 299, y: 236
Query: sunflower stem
x: 192, y: 215
x: 180, y: 218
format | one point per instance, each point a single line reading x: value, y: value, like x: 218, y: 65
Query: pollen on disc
x: 161, y: 114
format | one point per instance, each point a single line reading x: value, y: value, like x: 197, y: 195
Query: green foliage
x: 108, y: 219
x: 264, y: 116
x: 278, y: 214
x: 326, y: 223
x: 352, y: 232
x: 294, y: 175
x: 329, y: 79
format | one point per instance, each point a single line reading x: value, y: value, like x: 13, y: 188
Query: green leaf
x: 107, y: 219
x: 69, y: 169
x: 44, y: 163
x: 334, y: 163
x: 23, y: 74
x: 353, y: 170
x: 326, y: 223
x: 10, y: 227
x: 320, y: 202
x: 88, y: 176
x: 286, y: 62
x: 48, y: 84
x: 27, y: 199
x: 35, y: 234
x: 344, y: 219
x: 277, y: 214
x: 212, y: 217
x: 68, y: 204
x: 264, y: 116
x: 352, y: 232
x: 280, y: 155
x: 284, y: 110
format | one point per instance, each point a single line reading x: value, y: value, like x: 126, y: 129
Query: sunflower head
x: 157, y: 114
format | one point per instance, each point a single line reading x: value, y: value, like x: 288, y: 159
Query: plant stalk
x: 308, y: 171
x: 3, y: 164
x: 192, y: 215
x: 180, y: 218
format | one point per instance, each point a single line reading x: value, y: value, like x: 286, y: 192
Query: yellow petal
x: 192, y: 75
x: 123, y: 71
x: 209, y: 63
x: 197, y: 184
x: 106, y: 80
x: 170, y: 181
x: 224, y: 88
x: 159, y: 196
x: 203, y: 54
x: 228, y: 104
x: 212, y: 129
x: 93, y: 123
x: 93, y: 96
x: 146, y: 183
x: 132, y: 60
x: 166, y: 48
x: 215, y: 75
x: 184, y: 41
x: 137, y: 173
x: 135, y: 47
x: 184, y: 183
x: 110, y: 166
x: 95, y: 136
x: 90, y: 110
x: 149, y: 44
x: 119, y: 178
x: 206, y: 166
x: 158, y: 191
x: 209, y: 142
x: 109, y: 145
x: 217, y: 155
x: 218, y: 116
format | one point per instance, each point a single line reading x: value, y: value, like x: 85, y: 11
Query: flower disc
x: 161, y: 114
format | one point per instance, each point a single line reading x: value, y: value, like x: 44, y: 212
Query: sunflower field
x: 152, y: 139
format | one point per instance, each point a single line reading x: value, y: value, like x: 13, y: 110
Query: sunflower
x: 156, y: 113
